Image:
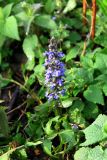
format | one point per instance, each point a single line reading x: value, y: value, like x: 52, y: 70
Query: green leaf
x: 70, y: 6
x: 22, y: 16
x: 94, y: 133
x: 74, y: 112
x: 100, y: 62
x: 77, y: 104
x: 7, y: 10
x: 101, y: 40
x: 29, y: 45
x: 72, y: 22
x: 1, y: 14
x: 94, y: 94
x: 11, y: 28
x: 86, y: 153
x: 48, y: 129
x: 102, y: 78
x: 19, y: 138
x: 23, y: 153
x: 82, y: 154
x: 30, y: 64
x: 72, y: 54
x: 103, y: 6
x: 50, y: 6
x: 2, y: 21
x: 3, y: 82
x: 45, y: 21
x: 67, y: 136
x: 90, y: 110
x: 39, y: 69
x: 67, y: 103
x: 4, y: 128
x: 74, y: 37
x: 47, y: 145
x: 39, y: 73
x: 43, y: 108
x: 105, y: 89
x: 87, y: 61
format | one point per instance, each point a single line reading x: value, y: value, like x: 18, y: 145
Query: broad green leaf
x: 74, y: 37
x: 45, y: 21
x: 101, y: 78
x: 50, y: 6
x: 95, y: 133
x: 47, y: 145
x: 86, y: 153
x: 67, y: 136
x: 72, y: 54
x: 100, y: 62
x: 90, y: 110
x: 72, y: 22
x: 29, y: 45
x: 101, y: 40
x: 87, y: 61
x: 7, y: 10
x: 77, y: 104
x: 48, y: 129
x: 103, y: 6
x: 11, y: 28
x: 94, y: 94
x: 80, y: 77
x: 82, y: 154
x: 98, y: 153
x: 43, y: 108
x: 70, y: 6
x: 22, y: 16
x: 75, y: 114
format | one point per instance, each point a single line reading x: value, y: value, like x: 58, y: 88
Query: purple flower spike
x: 55, y: 72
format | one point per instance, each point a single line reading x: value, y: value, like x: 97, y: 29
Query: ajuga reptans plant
x: 55, y: 69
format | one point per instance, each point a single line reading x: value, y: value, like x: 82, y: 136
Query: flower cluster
x: 54, y: 76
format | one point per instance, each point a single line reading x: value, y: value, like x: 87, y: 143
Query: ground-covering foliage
x: 32, y: 127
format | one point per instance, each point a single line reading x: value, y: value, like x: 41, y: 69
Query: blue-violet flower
x: 55, y: 71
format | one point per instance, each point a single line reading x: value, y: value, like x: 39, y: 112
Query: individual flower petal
x: 61, y: 54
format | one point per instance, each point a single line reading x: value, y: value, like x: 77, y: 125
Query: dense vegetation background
x: 31, y: 128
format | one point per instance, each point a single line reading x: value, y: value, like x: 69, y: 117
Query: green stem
x: 34, y: 96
